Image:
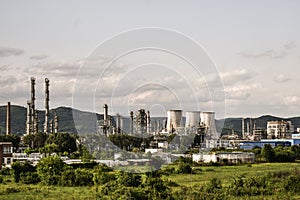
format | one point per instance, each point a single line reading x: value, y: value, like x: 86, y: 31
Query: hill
x: 86, y: 124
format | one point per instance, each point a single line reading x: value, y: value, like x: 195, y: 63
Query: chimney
x: 118, y: 122
x: 131, y: 122
x: 32, y: 99
x: 105, y: 114
x: 29, y: 118
x: 55, y: 124
x: 148, y: 122
x: 8, y: 116
x: 36, y: 122
x: 47, y: 99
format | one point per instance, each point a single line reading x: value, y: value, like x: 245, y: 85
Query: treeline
x: 52, y: 170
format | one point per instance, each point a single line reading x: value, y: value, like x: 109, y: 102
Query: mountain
x: 85, y: 121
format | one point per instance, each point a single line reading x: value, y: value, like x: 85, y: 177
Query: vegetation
x: 258, y: 181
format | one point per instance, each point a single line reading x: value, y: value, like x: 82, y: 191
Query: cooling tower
x: 208, y: 119
x: 192, y: 119
x: 174, y: 119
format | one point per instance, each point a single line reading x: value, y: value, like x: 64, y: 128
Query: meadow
x: 186, y: 184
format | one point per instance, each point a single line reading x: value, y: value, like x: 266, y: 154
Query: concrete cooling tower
x: 173, y: 119
x: 208, y: 119
x: 192, y: 119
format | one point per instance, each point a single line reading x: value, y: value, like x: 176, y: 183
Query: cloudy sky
x: 251, y: 47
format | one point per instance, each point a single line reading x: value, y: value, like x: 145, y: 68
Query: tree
x: 19, y: 168
x: 50, y: 169
x: 268, y: 153
x: 65, y: 142
x: 36, y: 140
x: 14, y: 139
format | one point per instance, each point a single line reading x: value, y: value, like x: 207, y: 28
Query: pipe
x: 8, y: 115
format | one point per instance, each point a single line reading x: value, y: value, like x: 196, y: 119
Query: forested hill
x: 66, y: 121
x: 65, y: 117
x: 260, y: 122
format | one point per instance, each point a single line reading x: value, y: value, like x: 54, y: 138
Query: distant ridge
x: 66, y: 122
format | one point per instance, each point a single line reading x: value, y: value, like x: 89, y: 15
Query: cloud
x: 264, y: 54
x: 39, y: 57
x: 281, y: 78
x: 236, y: 76
x: 4, y: 67
x: 290, y: 45
x: 241, y: 92
x: 61, y: 68
x: 291, y: 100
x: 8, y: 51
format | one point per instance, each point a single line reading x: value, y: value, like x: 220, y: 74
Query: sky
x: 246, y: 55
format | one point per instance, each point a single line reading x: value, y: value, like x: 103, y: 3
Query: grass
x: 11, y: 191
x: 226, y: 173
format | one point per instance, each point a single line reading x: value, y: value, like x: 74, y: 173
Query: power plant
x: 173, y: 120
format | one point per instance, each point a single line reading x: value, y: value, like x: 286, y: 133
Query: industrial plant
x: 167, y: 137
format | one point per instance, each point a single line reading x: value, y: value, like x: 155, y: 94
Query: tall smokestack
x: 47, y: 99
x: 131, y: 122
x: 8, y: 115
x: 55, y: 124
x: 243, y: 128
x: 118, y: 123
x: 148, y: 122
x: 105, y: 113
x: 36, y: 122
x: 122, y: 124
x: 29, y: 118
x: 32, y: 99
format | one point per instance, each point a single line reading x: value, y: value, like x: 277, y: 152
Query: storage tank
x: 208, y: 119
x: 192, y: 119
x: 173, y: 119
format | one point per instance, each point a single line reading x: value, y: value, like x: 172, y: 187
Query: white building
x: 231, y: 157
x: 279, y: 129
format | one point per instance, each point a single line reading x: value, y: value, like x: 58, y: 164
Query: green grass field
x: 10, y: 190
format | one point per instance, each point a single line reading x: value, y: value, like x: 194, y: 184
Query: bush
x: 1, y: 179
x: 29, y: 178
x: 18, y: 168
x: 50, y: 169
x: 67, y: 178
x: 100, y: 177
x: 83, y: 177
x: 184, y: 169
x: 129, y: 179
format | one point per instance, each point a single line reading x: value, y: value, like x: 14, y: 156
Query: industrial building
x: 279, y: 129
x: 230, y: 157
x: 6, y: 150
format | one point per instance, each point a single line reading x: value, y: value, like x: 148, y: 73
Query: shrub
x: 29, y: 178
x: 50, y: 169
x: 67, y: 178
x: 184, y: 168
x: 83, y: 177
